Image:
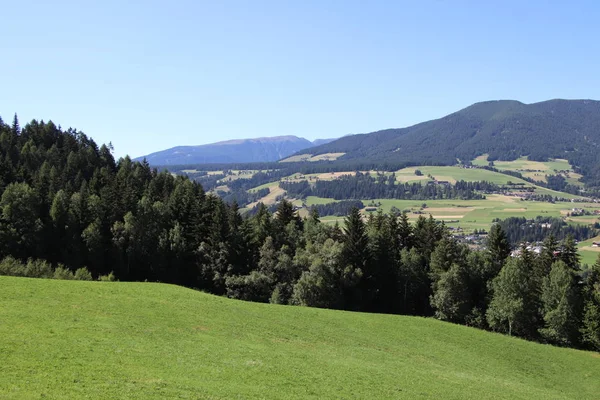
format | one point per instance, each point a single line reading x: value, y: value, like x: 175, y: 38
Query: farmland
x: 536, y: 170
x: 465, y: 215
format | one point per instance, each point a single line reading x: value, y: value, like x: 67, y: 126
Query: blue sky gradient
x: 149, y: 75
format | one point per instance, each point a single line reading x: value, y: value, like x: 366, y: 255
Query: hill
x: 68, y: 339
x: 233, y: 151
x: 505, y: 130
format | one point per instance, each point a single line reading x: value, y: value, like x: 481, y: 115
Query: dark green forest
x: 67, y: 201
x: 521, y: 229
x: 506, y: 130
x: 364, y: 186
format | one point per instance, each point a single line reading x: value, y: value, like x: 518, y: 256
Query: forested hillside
x: 506, y: 130
x: 66, y: 200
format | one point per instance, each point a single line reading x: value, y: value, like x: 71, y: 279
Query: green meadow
x: 101, y: 340
x: 536, y: 170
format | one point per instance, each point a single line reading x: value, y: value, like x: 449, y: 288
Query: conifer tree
x: 498, y: 248
x: 590, y: 326
x: 355, y: 259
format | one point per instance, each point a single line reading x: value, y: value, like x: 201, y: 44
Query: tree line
x: 364, y: 186
x: 66, y: 201
x: 521, y: 229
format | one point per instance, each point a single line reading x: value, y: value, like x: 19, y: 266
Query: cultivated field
x: 465, y: 214
x: 76, y: 339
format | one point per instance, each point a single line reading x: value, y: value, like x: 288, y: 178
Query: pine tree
x: 405, y: 232
x: 355, y: 258
x: 498, y: 248
x: 569, y: 253
x: 590, y: 325
x: 547, y: 257
x: 15, y: 128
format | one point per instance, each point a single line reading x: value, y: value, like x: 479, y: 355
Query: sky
x: 150, y: 75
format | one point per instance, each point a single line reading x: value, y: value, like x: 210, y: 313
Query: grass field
x: 589, y: 254
x: 74, y: 339
x: 311, y: 158
x: 536, y: 170
x: 477, y: 214
x: 453, y: 174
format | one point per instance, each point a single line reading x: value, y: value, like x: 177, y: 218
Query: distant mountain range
x: 504, y: 129
x: 263, y: 149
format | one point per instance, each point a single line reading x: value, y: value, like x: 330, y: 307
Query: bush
x: 63, y: 273
x: 38, y: 269
x: 107, y: 278
x: 82, y: 274
x: 12, y: 267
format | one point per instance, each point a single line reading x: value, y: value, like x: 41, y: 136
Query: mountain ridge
x: 262, y: 149
x: 504, y: 129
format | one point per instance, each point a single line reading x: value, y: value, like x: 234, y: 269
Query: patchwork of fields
x: 467, y: 215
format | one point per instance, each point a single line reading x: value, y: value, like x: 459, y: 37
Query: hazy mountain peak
x: 262, y: 149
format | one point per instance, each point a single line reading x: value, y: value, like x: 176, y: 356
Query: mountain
x: 319, y: 142
x: 503, y: 129
x: 241, y: 150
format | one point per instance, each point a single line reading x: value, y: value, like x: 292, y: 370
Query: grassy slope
x: 65, y: 339
x: 534, y: 169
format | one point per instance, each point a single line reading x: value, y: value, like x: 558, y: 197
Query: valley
x: 462, y: 216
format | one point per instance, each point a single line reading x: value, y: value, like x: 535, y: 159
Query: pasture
x: 101, y: 340
x: 536, y: 170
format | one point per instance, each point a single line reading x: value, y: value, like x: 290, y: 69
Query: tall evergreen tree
x: 590, y: 325
x: 355, y: 258
x: 498, y: 248
x: 569, y: 254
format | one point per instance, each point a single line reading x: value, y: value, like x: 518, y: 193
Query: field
x: 536, y: 170
x: 589, y: 254
x: 465, y: 214
x: 477, y: 214
x: 450, y: 174
x: 310, y: 157
x: 74, y: 339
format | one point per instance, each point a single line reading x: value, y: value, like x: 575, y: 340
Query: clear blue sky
x: 149, y: 75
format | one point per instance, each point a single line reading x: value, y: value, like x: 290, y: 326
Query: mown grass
x: 65, y: 339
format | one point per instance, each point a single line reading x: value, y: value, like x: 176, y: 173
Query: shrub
x: 38, y: 269
x: 63, y: 273
x: 107, y: 278
x: 12, y: 267
x: 82, y: 274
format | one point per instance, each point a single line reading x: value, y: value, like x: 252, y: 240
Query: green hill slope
x: 66, y: 339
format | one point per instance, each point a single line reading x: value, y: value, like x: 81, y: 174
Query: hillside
x: 68, y: 339
x: 506, y: 130
x: 233, y: 151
